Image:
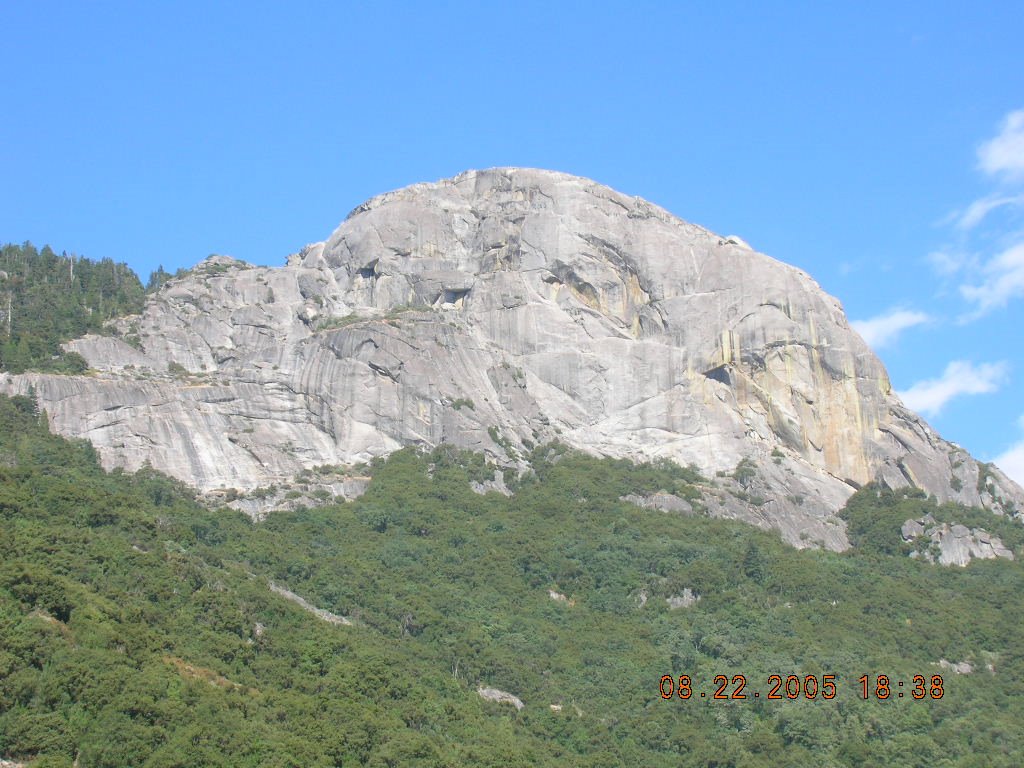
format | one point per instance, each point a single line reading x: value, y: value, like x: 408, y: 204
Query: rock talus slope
x: 497, y: 310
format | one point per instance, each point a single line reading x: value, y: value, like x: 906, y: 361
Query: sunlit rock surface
x: 502, y: 309
x: 953, y: 544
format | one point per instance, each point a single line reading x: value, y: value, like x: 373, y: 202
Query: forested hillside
x: 46, y: 299
x: 139, y: 628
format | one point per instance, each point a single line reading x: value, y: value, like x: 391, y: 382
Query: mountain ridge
x: 496, y: 310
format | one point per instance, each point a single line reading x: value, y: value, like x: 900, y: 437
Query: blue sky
x: 881, y: 149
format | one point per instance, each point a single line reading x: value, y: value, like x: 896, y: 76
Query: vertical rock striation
x: 504, y: 308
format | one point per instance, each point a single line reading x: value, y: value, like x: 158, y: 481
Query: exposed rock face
x: 663, y: 502
x: 309, y: 489
x: 954, y: 544
x: 685, y: 600
x: 320, y: 613
x: 960, y: 668
x: 501, y: 697
x: 501, y: 307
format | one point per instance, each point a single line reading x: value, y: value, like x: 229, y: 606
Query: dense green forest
x: 139, y: 628
x: 46, y: 299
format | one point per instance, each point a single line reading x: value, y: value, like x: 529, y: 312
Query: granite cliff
x: 502, y: 309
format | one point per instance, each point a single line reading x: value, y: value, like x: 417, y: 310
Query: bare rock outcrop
x: 497, y: 310
x: 958, y: 667
x: 663, y: 502
x: 320, y: 613
x: 685, y: 600
x: 500, y: 697
x: 953, y: 544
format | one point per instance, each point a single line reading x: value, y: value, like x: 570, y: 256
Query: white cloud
x: 990, y: 282
x: 1011, y: 461
x: 979, y: 209
x: 949, y: 262
x: 1004, y: 154
x: 882, y: 330
x: 960, y: 378
x: 1003, y: 280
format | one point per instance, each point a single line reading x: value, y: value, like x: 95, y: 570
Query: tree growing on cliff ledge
x: 48, y: 299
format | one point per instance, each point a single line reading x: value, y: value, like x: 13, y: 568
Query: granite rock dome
x: 501, y: 309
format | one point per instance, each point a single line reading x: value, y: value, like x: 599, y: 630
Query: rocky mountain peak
x: 501, y: 309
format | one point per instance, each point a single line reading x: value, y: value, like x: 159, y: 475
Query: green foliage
x: 158, y: 278
x: 396, y: 312
x: 213, y: 269
x: 138, y: 628
x: 46, y: 299
x: 875, y: 515
x: 745, y: 471
x: 333, y: 323
x: 502, y: 442
x: 392, y: 316
x: 984, y: 476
